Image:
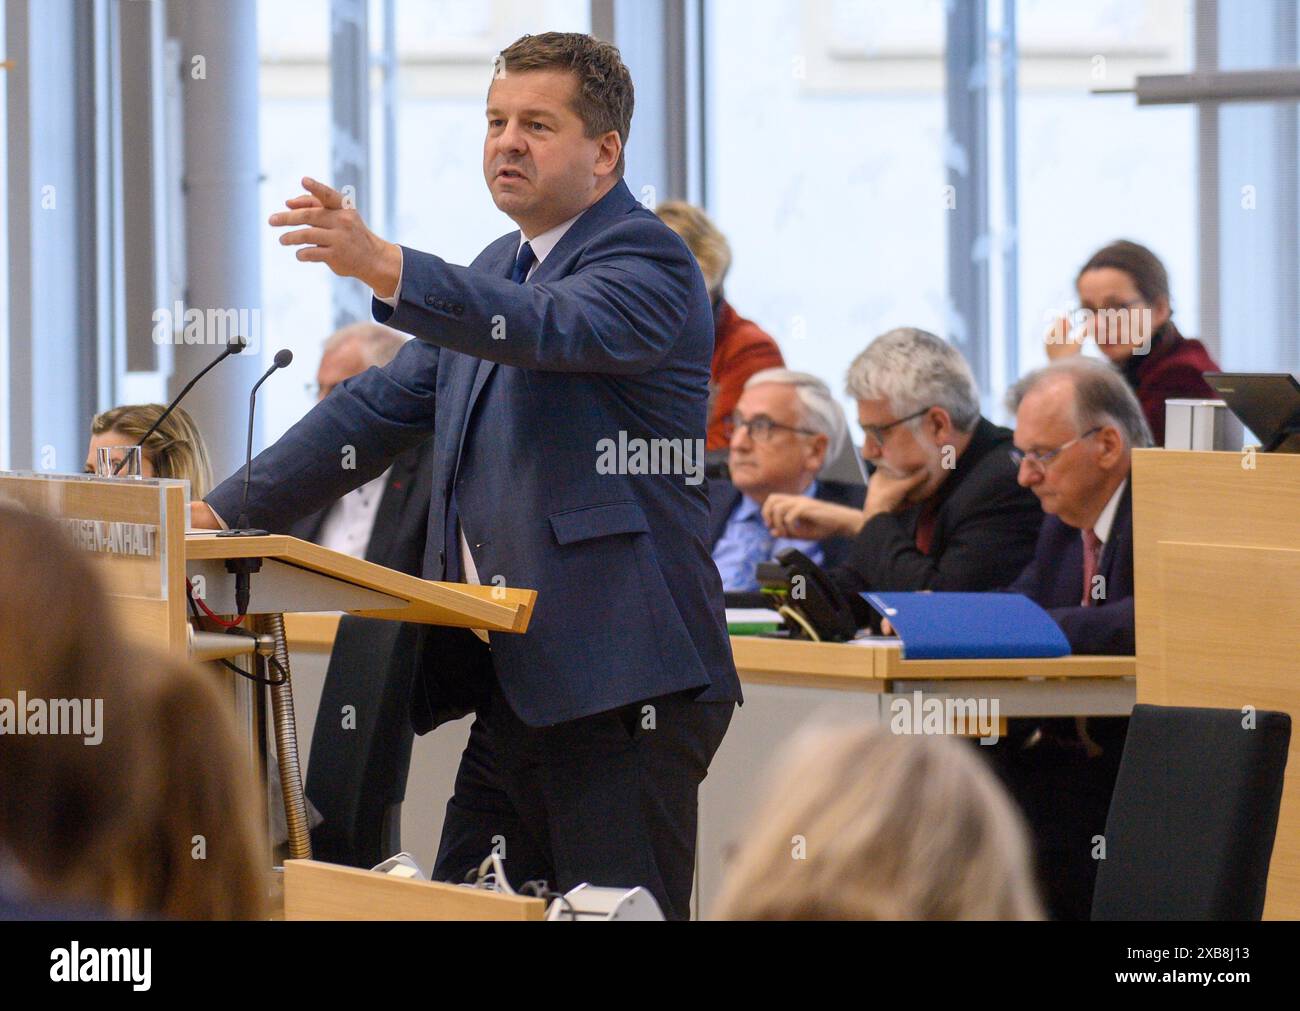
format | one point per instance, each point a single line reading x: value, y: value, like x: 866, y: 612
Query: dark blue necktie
x: 524, y: 261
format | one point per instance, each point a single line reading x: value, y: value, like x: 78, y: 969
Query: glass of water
x: 119, y: 461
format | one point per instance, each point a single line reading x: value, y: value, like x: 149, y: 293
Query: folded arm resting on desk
x: 1106, y: 631
x: 612, y: 316
x: 1103, y: 629
x: 346, y: 440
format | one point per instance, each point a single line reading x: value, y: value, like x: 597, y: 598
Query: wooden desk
x: 311, y: 631
x: 298, y: 576
x: 321, y: 891
x: 1063, y: 686
x: 1072, y: 686
x: 789, y: 684
x: 792, y: 684
x: 1216, y: 552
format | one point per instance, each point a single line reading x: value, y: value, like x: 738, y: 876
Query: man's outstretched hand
x: 335, y: 235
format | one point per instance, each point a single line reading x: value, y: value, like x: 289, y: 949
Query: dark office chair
x: 1193, y: 816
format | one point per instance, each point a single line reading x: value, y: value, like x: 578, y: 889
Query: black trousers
x: 357, y: 770
x: 1065, y: 794
x: 609, y: 799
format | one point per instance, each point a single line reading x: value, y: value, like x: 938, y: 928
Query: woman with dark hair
x: 1124, y: 307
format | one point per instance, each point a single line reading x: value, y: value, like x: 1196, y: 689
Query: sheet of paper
x: 874, y: 641
x: 752, y: 616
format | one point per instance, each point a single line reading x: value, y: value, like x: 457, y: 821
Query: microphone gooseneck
x: 233, y: 347
x: 244, y: 567
x: 282, y: 358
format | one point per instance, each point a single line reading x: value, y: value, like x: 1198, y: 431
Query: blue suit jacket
x: 1054, y: 581
x: 520, y: 383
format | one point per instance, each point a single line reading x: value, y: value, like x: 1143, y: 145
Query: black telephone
x: 811, y: 604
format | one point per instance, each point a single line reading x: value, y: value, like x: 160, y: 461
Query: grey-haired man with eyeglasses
x: 1077, y: 423
x: 785, y: 427
x: 943, y: 510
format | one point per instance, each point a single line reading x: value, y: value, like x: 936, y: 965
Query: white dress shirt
x: 350, y: 520
x: 542, y: 246
x: 1106, y: 519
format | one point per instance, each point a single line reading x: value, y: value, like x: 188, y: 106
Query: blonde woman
x: 175, y: 450
x: 864, y: 824
x: 740, y: 347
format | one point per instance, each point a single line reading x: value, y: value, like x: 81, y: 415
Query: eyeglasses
x: 760, y: 427
x: 1039, y: 461
x: 877, y: 432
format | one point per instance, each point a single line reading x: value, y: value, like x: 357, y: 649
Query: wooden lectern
x: 298, y: 576
x: 135, y: 532
x: 1217, y: 570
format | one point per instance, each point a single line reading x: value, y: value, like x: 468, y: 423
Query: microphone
x: 241, y: 529
x: 244, y: 567
x: 233, y: 347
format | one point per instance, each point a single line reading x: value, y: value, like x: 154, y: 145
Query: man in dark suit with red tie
x: 1077, y: 423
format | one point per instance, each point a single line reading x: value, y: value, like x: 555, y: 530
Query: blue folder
x: 970, y: 626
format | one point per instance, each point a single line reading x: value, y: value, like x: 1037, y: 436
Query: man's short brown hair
x: 604, y: 95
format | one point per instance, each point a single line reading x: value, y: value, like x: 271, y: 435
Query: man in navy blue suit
x: 1077, y: 423
x: 564, y: 375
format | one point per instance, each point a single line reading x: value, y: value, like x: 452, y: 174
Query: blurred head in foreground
x: 865, y: 824
x: 127, y: 792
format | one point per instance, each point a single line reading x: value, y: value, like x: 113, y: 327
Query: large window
x: 830, y: 143
x: 295, y: 142
x: 1093, y: 167
x: 833, y: 133
x: 825, y: 155
x: 1257, y: 226
x: 444, y: 54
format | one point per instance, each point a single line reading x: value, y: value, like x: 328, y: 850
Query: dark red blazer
x: 740, y: 348
x: 1171, y: 370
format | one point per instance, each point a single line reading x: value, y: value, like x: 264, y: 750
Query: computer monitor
x: 1268, y: 403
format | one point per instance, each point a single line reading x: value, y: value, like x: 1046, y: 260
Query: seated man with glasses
x: 785, y: 426
x: 943, y: 509
x: 1077, y: 422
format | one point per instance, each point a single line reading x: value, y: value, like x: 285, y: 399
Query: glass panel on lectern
x: 120, y: 523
